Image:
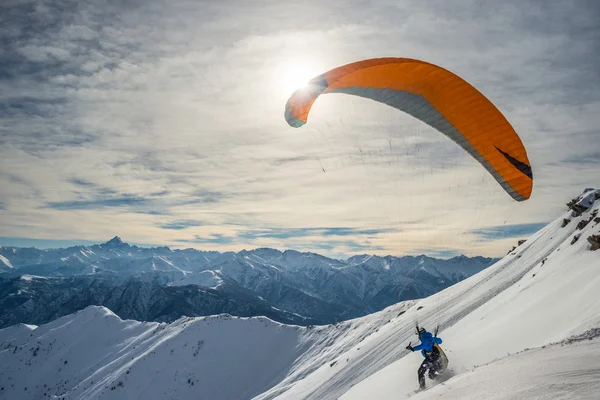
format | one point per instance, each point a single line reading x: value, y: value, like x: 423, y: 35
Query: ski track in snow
x: 557, y: 373
x: 542, y: 296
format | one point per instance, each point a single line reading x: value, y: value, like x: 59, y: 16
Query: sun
x: 295, y: 76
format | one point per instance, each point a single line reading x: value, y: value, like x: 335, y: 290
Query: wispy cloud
x: 584, y: 158
x: 119, y: 201
x: 351, y: 247
x: 507, y: 231
x: 81, y: 182
x: 112, y: 118
x: 439, y: 253
x: 53, y: 243
x: 291, y: 233
x: 211, y: 239
x: 151, y: 212
x: 180, y: 225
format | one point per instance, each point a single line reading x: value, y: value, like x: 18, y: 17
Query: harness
x: 442, y: 356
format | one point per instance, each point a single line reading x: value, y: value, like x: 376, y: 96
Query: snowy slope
x: 562, y: 371
x: 543, y: 292
x: 5, y: 263
x: 93, y: 354
x: 205, y: 278
x: 16, y: 333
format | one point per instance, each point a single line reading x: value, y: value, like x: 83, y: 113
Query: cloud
x: 290, y: 233
x: 160, y: 194
x: 42, y: 243
x: 180, y: 225
x: 151, y: 212
x: 507, y: 231
x: 584, y: 158
x: 212, y: 239
x: 119, y: 201
x: 54, y: 244
x: 81, y: 182
x: 91, y: 189
x: 204, y: 197
x: 439, y: 253
x: 349, y: 247
x: 104, y: 112
x: 43, y: 53
x: 302, y: 239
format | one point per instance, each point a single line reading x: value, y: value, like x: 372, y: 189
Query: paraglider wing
x: 437, y: 97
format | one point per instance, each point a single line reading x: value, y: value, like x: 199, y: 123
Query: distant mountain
x: 314, y: 288
x: 34, y: 300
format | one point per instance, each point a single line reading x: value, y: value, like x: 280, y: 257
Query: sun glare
x: 295, y: 77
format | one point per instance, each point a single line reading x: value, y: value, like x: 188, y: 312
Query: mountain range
x: 162, y: 284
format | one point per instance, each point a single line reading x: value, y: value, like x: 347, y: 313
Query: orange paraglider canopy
x: 437, y: 97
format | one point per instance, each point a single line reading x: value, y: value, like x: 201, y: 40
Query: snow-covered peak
x: 94, y: 354
x: 29, y: 278
x: 210, y: 279
x: 116, y: 242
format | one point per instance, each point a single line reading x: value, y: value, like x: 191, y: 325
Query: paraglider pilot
x: 435, y: 359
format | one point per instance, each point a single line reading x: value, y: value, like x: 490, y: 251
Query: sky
x: 162, y: 122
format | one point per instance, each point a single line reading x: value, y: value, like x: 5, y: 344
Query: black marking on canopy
x: 521, y: 166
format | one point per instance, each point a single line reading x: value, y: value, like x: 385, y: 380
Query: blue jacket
x: 427, y: 342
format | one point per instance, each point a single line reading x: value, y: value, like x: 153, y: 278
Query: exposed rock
x: 572, y: 202
x: 578, y: 209
x: 594, y: 241
x: 583, y: 223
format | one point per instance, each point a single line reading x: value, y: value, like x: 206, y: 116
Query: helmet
x: 426, y: 335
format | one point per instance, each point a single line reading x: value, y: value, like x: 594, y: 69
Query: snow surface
x: 28, y: 277
x: 566, y: 372
x: 205, y: 278
x: 543, y: 292
x: 15, y: 333
x: 5, y: 262
x: 588, y: 198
